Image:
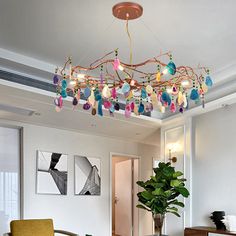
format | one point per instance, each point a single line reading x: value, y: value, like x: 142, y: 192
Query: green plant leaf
x: 175, y: 183
x: 177, y: 174
x: 175, y: 213
x: 147, y: 195
x: 158, y: 191
x: 142, y: 207
x: 183, y: 191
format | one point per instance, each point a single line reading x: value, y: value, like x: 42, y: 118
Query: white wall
x: 214, y: 164
x: 81, y: 214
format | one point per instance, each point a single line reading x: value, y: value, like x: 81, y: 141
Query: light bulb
x: 81, y: 76
x: 120, y: 67
x: 72, y: 82
x: 165, y: 71
x: 132, y: 82
x: 169, y: 90
x: 185, y: 83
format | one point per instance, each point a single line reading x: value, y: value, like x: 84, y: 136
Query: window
x: 9, y: 177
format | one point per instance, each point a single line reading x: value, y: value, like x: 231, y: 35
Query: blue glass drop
x: 143, y: 93
x: 112, y: 109
x: 208, y: 81
x: 194, y: 95
x: 166, y: 97
x: 125, y: 88
x: 64, y: 84
x: 55, y: 79
x: 141, y: 108
x: 63, y: 93
x: 87, y: 92
x: 171, y: 67
x: 97, y: 95
x: 100, y: 112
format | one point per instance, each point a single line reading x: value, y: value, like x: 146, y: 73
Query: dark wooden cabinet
x: 204, y: 231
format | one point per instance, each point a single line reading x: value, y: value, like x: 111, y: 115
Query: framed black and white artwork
x: 87, y: 175
x: 51, y: 173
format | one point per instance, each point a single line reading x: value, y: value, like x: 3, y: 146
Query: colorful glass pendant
x: 116, y: 64
x: 87, y: 92
x: 204, y: 88
x: 181, y: 110
x: 106, y: 93
x: 141, y: 108
x: 63, y: 93
x: 158, y: 76
x: 100, y: 112
x: 91, y: 98
x: 128, y: 111
x: 208, y: 81
x: 112, y: 108
x: 125, y: 88
x: 132, y: 105
x: 166, y: 97
x: 143, y: 93
x: 117, y: 106
x: 172, y: 107
x: 113, y: 93
x: 94, y: 111
x: 162, y: 109
x: 97, y: 95
x: 148, y: 107
x: 194, y: 94
x: 64, y: 84
x: 185, y: 103
x: 86, y: 106
x: 55, y: 79
x: 136, y: 110
x: 56, y: 101
x: 107, y: 104
x: 180, y: 98
x: 129, y: 95
x: 75, y: 101
x: 149, y: 89
x: 154, y: 98
x: 171, y: 68
x: 78, y: 95
x: 174, y: 90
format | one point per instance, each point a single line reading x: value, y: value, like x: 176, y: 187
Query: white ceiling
x: 196, y: 32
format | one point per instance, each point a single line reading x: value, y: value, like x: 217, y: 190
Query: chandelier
x: 109, y: 83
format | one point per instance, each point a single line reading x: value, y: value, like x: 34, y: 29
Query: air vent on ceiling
x: 16, y: 110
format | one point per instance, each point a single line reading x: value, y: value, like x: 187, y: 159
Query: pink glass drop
x: 127, y: 111
x: 60, y: 100
x: 132, y: 106
x: 113, y: 93
x: 116, y: 64
x: 172, y: 107
x: 107, y: 104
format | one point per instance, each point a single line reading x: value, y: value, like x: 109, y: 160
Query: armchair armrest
x: 65, y: 232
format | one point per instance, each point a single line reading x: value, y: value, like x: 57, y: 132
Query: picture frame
x: 87, y: 176
x: 51, y: 173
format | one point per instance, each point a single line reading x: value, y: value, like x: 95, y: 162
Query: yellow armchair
x: 37, y: 227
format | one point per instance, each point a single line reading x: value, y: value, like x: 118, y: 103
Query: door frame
x: 110, y: 179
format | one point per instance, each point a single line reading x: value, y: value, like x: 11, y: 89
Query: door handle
x: 116, y: 200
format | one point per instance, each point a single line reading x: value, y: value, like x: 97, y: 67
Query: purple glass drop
x: 86, y: 106
x: 75, y: 101
x: 55, y: 79
x: 181, y: 110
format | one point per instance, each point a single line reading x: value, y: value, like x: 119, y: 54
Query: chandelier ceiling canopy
x: 156, y: 83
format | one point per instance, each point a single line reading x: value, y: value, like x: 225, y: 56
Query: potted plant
x: 161, y: 192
